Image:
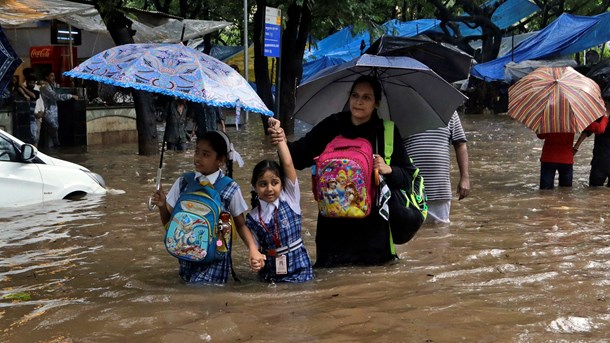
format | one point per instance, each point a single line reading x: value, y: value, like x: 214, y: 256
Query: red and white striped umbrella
x: 552, y: 100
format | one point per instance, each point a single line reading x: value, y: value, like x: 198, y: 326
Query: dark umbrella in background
x: 600, y: 73
x: 451, y: 63
x: 9, y: 61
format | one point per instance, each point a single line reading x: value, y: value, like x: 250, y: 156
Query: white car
x: 29, y: 177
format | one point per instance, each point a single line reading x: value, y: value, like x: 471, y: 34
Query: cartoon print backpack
x: 342, y: 181
x: 407, y: 206
x: 198, y: 229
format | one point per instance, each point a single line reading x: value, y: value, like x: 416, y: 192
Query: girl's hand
x: 257, y: 260
x: 273, y: 123
x: 379, y: 164
x: 276, y: 132
x: 158, y: 197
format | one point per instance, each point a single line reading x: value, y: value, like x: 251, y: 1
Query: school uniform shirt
x: 284, y: 214
x: 233, y: 201
x: 353, y: 241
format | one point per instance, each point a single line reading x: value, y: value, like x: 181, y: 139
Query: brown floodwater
x: 516, y: 264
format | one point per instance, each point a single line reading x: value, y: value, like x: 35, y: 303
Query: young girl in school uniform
x: 211, y: 154
x: 275, y: 219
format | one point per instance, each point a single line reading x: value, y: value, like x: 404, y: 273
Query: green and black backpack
x: 407, y: 205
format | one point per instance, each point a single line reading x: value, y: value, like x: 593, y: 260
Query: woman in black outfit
x: 354, y: 241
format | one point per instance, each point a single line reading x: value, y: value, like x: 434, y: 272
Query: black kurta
x: 353, y: 241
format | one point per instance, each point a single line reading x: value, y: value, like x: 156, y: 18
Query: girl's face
x: 205, y: 159
x: 362, y: 103
x: 268, y: 187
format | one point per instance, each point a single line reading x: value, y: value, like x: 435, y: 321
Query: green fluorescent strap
x: 388, y: 149
x: 388, y: 140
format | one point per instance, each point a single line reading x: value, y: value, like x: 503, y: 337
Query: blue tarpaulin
x: 503, y: 17
x: 566, y: 35
x: 312, y: 67
x: 346, y: 46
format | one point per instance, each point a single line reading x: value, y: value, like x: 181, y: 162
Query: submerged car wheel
x: 75, y: 195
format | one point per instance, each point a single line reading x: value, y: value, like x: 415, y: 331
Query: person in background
x: 35, y: 100
x: 557, y: 156
x: 600, y: 163
x: 26, y: 93
x: 176, y: 135
x: 206, y: 118
x: 50, y: 121
x: 431, y: 154
x: 32, y: 79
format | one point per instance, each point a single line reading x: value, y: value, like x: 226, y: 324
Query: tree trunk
x: 120, y: 30
x: 261, y: 68
x: 294, y: 39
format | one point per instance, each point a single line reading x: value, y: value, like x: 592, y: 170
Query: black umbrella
x: 449, y: 62
x: 600, y: 73
x: 600, y: 70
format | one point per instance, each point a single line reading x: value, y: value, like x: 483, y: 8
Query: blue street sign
x: 271, y: 47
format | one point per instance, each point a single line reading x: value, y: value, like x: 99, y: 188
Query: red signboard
x: 53, y: 58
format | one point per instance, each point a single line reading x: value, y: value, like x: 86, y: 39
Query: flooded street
x: 516, y: 264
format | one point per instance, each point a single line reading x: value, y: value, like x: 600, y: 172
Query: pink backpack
x: 342, y: 178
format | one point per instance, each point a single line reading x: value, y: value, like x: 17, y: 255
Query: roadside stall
x: 104, y: 113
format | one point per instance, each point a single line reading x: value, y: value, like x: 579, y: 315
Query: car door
x: 20, y: 183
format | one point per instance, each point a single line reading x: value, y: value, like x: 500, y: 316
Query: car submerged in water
x: 29, y: 177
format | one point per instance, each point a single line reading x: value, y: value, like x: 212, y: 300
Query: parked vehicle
x: 29, y: 177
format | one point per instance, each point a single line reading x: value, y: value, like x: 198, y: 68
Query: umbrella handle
x: 149, y: 203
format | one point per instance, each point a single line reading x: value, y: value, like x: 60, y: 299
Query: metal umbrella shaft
x: 151, y: 206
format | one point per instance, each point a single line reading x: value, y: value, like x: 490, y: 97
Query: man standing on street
x: 430, y: 153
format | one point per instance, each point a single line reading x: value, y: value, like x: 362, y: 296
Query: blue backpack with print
x: 198, y: 229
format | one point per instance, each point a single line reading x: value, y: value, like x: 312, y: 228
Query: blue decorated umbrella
x: 172, y: 69
x: 9, y: 61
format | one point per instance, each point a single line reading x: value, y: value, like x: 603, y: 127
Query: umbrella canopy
x: 414, y: 96
x: 9, y: 61
x: 554, y: 100
x: 451, y: 63
x: 600, y: 73
x: 172, y: 69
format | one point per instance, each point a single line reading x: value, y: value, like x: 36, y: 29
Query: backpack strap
x: 388, y: 140
x: 222, y: 182
x: 388, y: 149
x: 219, y: 185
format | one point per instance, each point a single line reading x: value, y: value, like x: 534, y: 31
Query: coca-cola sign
x: 44, y: 52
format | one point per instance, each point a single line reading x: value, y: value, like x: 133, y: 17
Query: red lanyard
x: 276, y: 235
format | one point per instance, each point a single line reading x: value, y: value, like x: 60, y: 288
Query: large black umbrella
x: 9, y: 61
x: 449, y: 62
x: 413, y: 96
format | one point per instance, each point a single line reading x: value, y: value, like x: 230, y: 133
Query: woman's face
x: 362, y: 103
